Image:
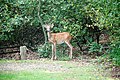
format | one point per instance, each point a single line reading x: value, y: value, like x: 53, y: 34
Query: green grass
x: 74, y: 72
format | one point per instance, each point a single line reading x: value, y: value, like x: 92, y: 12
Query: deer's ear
x: 52, y: 25
x: 44, y: 26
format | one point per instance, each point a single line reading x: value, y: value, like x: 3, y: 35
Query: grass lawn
x: 67, y: 70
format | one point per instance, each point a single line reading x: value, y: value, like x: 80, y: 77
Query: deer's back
x: 60, y: 37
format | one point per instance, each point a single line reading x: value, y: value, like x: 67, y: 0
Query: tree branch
x: 41, y: 22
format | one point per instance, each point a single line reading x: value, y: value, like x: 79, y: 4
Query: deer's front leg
x: 52, y: 52
x: 55, y: 57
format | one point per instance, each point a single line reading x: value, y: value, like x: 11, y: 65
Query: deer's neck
x: 49, y: 34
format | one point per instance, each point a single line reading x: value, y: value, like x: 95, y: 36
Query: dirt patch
x: 116, y: 72
x: 51, y: 66
x: 16, y: 66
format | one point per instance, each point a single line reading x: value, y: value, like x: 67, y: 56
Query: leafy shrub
x: 44, y: 50
x: 95, y: 48
x: 115, y: 56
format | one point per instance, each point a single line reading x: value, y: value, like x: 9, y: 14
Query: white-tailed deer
x: 58, y: 38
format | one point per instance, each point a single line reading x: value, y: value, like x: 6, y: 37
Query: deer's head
x: 48, y: 26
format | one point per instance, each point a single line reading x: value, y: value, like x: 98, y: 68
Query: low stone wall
x: 30, y: 55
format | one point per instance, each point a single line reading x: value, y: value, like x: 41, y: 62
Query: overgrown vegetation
x: 114, y: 55
x: 86, y: 20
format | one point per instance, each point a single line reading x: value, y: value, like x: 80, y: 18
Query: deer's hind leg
x: 55, y: 57
x: 70, y: 46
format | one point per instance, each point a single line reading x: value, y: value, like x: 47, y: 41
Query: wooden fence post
x: 23, y: 50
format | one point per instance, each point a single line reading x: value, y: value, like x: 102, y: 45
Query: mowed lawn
x: 52, y: 70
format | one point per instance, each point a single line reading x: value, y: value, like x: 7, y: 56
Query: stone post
x: 23, y: 50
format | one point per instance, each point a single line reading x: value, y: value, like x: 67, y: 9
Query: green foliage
x: 104, y: 13
x: 115, y: 55
x: 64, y: 58
x: 14, y: 15
x: 66, y: 15
x: 45, y: 50
x: 95, y: 48
x: 61, y: 51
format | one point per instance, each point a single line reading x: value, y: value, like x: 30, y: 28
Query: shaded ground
x: 116, y: 72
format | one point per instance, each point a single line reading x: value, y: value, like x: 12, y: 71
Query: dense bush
x: 115, y: 56
x: 95, y: 48
x: 67, y: 15
x: 114, y: 53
